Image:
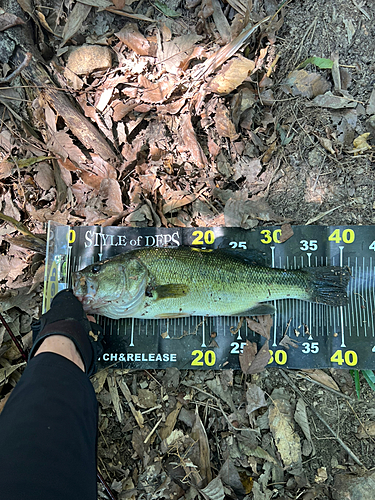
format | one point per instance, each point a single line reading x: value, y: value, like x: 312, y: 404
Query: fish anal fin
x: 260, y: 309
x: 172, y: 291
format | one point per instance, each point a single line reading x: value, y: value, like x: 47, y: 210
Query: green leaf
x: 165, y: 9
x: 318, y: 61
x: 283, y: 136
x: 355, y: 375
x: 370, y: 378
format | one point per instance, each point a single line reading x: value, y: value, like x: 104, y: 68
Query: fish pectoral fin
x: 260, y: 309
x: 172, y: 291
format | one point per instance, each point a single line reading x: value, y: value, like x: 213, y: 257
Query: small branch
x: 18, y: 70
x: 13, y: 337
x: 339, y: 440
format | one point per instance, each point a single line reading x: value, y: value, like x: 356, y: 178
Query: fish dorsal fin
x: 260, y: 309
x: 171, y: 291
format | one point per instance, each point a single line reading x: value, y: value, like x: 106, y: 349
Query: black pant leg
x: 48, y: 434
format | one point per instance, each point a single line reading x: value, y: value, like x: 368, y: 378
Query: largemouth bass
x: 176, y: 282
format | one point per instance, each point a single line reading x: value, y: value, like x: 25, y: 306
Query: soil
x: 308, y: 183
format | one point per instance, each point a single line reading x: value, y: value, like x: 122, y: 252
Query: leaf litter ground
x: 175, y: 115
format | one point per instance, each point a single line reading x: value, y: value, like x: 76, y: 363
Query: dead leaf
x: 366, y: 430
x: 136, y: 413
x: 198, y: 433
x: 262, y: 325
x: 8, y: 370
x: 110, y: 191
x: 300, y: 416
x: 9, y: 20
x: 6, y: 168
x: 286, y: 233
x: 214, y: 490
x: 176, y: 52
x: 170, y: 422
x: 112, y: 386
x: 224, y: 125
x: 61, y: 144
x: 252, y: 361
x: 230, y: 476
x: 173, y: 205
x: 255, y: 398
x: 189, y: 143
x: 360, y: 144
x: 231, y: 75
x: 247, y: 213
x: 286, y: 439
x: 323, y: 378
x: 288, y: 342
x: 75, y: 20
x: 321, y: 476
x: 328, y: 100
x: 303, y: 83
x: 157, y: 92
x: 134, y: 40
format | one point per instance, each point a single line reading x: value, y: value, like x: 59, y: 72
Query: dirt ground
x: 187, y: 157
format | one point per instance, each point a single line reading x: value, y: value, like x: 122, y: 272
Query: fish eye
x: 95, y: 269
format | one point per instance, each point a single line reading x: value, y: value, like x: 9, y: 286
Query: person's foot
x: 66, y: 330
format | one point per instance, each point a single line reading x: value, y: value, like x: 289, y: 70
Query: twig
x: 106, y: 487
x: 18, y: 70
x: 339, y: 440
x: 153, y: 430
x: 13, y: 337
x: 221, y: 409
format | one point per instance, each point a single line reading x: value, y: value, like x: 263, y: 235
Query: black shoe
x: 67, y: 317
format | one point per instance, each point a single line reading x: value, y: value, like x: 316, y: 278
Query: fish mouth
x: 85, y: 292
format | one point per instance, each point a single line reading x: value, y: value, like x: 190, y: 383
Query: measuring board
x: 324, y: 336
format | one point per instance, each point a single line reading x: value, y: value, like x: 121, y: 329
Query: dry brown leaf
x: 173, y: 205
x: 6, y: 169
x: 170, y: 422
x: 224, y: 125
x: 331, y: 101
x: 286, y: 232
x: 176, y: 51
x: 252, y: 361
x: 360, y: 144
x: 126, y: 392
x: 62, y: 145
x: 288, y: 342
x: 75, y: 20
x: 115, y: 397
x: 323, y: 378
x: 111, y: 192
x: 198, y: 433
x: 231, y: 75
x: 286, y: 439
x: 300, y: 82
x: 157, y: 92
x: 9, y: 20
x: 134, y: 40
x: 221, y: 21
x: 190, y: 143
x: 255, y: 398
x: 366, y: 430
x: 262, y: 325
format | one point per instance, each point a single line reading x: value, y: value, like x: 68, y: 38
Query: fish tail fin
x: 327, y: 285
